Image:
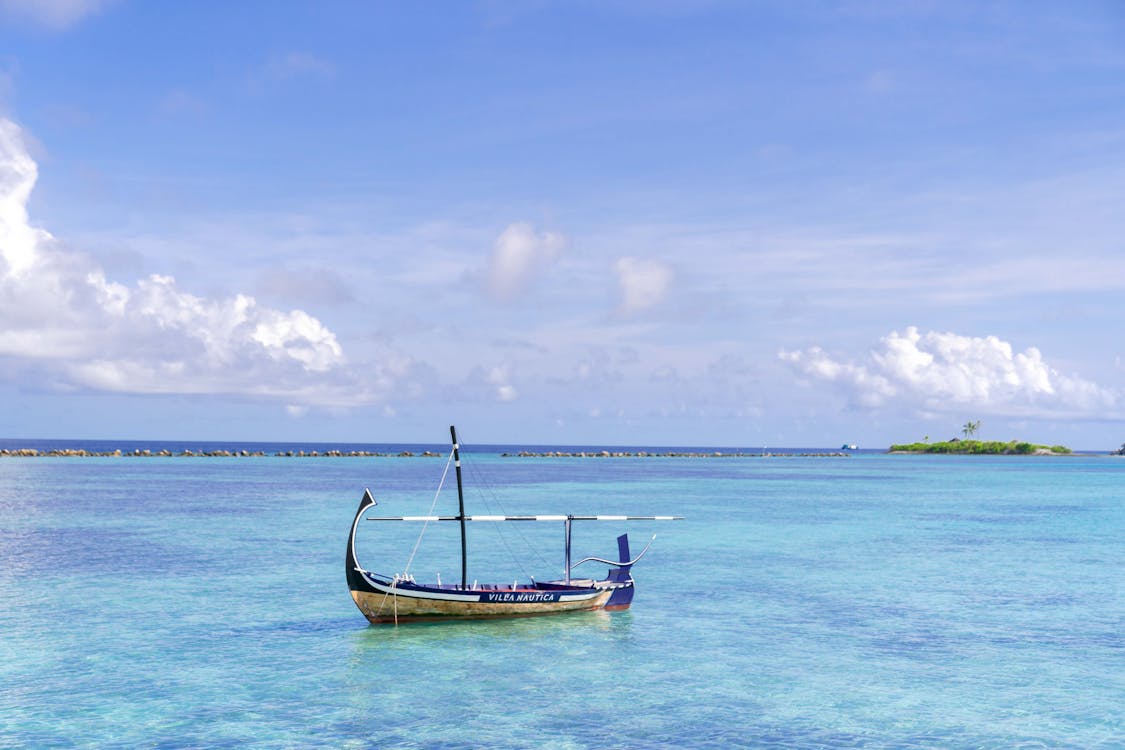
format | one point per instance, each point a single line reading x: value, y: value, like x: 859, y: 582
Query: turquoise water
x: 871, y: 601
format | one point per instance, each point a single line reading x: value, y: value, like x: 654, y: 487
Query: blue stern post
x: 621, y: 597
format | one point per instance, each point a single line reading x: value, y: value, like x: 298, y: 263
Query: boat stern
x: 620, y: 579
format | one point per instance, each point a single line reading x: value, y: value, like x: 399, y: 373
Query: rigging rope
x: 480, y: 484
x: 433, y: 505
x: 410, y: 561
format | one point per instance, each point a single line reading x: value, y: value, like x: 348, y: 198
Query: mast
x: 460, y: 508
x: 566, y: 573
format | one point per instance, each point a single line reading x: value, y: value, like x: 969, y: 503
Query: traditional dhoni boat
x: 398, y: 598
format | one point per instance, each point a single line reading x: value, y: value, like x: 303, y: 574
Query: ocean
x: 870, y: 601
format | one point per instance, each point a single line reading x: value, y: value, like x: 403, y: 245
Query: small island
x: 982, y: 447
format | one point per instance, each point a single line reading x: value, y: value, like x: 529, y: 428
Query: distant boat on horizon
x: 848, y: 447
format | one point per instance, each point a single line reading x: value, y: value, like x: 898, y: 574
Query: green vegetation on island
x: 982, y: 447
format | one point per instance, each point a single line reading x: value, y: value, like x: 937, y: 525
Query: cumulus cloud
x: 58, y: 310
x: 518, y: 256
x: 941, y: 372
x: 500, y: 379
x: 643, y: 283
x: 491, y: 383
x: 18, y: 173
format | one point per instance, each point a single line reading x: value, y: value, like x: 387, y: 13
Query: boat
x: 848, y: 447
x: 400, y: 598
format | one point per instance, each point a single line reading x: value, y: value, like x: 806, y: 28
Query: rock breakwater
x: 667, y: 454
x: 243, y: 453
x: 215, y: 453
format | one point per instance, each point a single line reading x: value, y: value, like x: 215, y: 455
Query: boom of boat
x: 398, y: 598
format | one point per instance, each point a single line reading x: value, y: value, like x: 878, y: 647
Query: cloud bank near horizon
x: 939, y: 373
x: 62, y: 315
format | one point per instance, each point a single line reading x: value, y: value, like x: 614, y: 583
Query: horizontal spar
x: 526, y: 518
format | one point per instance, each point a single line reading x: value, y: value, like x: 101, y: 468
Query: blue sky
x: 661, y: 223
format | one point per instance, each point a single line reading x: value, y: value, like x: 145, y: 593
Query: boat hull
x: 398, y: 606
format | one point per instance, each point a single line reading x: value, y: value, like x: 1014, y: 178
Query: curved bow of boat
x: 356, y: 581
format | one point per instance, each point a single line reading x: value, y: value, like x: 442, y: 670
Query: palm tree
x: 970, y: 428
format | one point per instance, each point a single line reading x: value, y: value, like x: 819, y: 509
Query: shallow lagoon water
x: 870, y: 601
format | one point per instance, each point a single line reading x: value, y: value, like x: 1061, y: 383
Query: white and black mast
x: 460, y: 508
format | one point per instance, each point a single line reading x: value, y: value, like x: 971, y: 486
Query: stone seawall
x: 224, y: 453
x: 216, y: 453
x: 667, y: 454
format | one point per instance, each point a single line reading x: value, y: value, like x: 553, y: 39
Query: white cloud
x: 943, y: 372
x: 18, y: 173
x: 56, y: 14
x: 499, y: 378
x: 58, y: 309
x: 643, y: 283
x: 519, y: 254
x: 490, y: 384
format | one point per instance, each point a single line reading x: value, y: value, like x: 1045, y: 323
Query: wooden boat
x: 399, y: 598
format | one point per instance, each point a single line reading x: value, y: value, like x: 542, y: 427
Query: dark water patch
x: 920, y: 643
x: 844, y: 611
x: 802, y: 476
x: 91, y: 551
x: 969, y: 541
x: 1078, y: 640
x: 977, y: 518
x: 1055, y: 540
x: 679, y: 730
x: 1052, y: 510
x: 1027, y: 600
x: 338, y: 625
